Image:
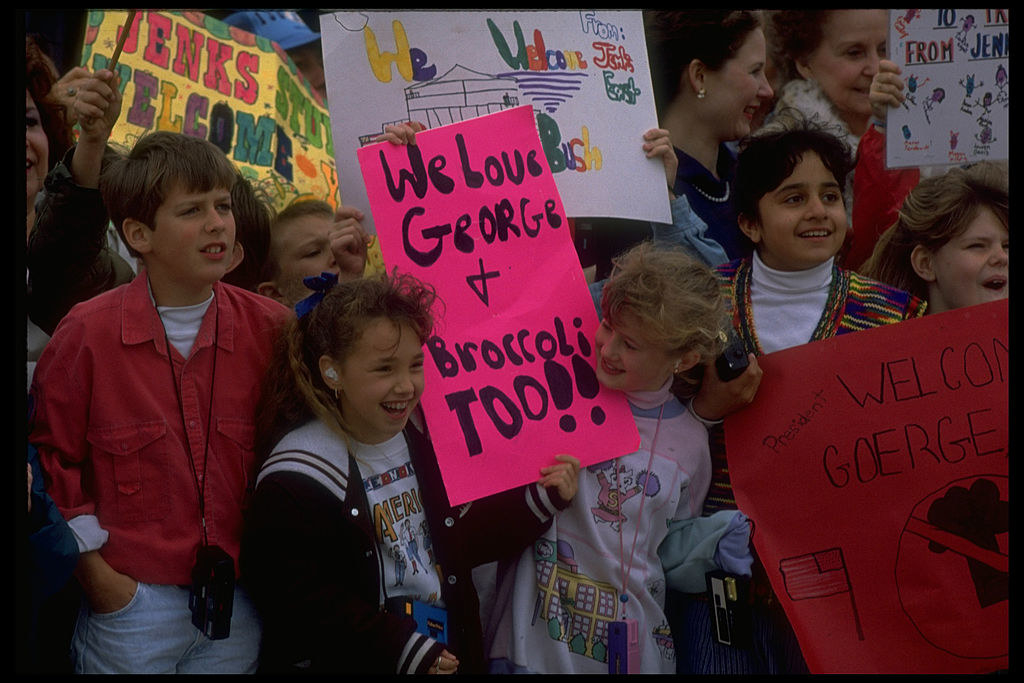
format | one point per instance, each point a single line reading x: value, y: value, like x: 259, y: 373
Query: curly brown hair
x: 293, y: 390
x: 792, y: 36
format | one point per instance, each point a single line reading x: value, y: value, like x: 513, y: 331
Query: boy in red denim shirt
x: 145, y: 402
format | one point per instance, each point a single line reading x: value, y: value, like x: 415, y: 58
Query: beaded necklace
x: 718, y: 200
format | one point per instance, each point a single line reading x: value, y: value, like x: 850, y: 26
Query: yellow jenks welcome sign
x: 189, y: 73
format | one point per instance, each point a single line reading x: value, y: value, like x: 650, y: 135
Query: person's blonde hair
x: 937, y: 210
x: 293, y: 389
x: 674, y: 298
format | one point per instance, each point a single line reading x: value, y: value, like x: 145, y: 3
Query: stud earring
x: 701, y: 94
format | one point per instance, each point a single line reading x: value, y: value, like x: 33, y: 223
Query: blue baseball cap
x: 287, y: 29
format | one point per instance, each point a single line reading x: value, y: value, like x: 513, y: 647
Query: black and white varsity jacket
x: 311, y: 563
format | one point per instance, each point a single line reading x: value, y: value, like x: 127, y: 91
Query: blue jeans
x: 153, y: 633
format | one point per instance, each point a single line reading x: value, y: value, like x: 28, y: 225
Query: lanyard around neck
x: 200, y: 482
x: 626, y: 570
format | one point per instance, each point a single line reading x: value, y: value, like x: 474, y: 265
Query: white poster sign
x: 584, y: 73
x: 956, y: 67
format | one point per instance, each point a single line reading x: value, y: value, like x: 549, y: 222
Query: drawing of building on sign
x: 457, y: 95
x: 575, y: 607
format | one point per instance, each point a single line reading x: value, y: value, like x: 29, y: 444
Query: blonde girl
x: 599, y: 566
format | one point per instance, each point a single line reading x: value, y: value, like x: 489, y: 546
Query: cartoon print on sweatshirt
x: 576, y: 609
x: 427, y: 548
x: 618, y: 484
x: 401, y: 527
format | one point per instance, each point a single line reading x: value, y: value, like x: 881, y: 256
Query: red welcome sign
x: 875, y: 468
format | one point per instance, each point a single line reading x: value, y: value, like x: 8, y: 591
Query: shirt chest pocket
x: 134, y: 459
x: 233, y: 443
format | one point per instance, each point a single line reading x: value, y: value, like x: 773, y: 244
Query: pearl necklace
x: 717, y: 200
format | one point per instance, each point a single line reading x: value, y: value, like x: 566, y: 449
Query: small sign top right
x: 956, y: 71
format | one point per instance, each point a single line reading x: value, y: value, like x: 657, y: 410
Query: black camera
x: 733, y: 360
x: 213, y: 592
x: 731, y: 614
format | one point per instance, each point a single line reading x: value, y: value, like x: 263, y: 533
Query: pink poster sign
x: 875, y: 467
x: 472, y: 208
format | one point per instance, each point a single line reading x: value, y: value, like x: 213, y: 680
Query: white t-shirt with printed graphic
x: 399, y: 522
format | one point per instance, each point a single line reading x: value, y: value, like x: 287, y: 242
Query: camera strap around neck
x: 197, y: 479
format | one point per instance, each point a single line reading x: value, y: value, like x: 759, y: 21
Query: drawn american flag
x: 819, y: 575
x: 815, y: 575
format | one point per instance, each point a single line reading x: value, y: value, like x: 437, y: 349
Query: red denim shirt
x: 111, y: 435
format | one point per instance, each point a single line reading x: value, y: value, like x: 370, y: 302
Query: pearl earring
x: 701, y: 94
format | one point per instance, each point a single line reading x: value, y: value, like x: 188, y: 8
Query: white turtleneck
x: 787, y: 305
x: 182, y: 323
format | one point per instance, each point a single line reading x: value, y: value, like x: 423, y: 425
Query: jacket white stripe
x: 317, y: 468
x: 545, y: 498
x: 536, y: 499
x: 414, y: 652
